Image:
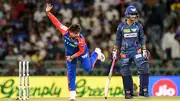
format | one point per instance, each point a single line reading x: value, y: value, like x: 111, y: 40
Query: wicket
x: 24, y: 90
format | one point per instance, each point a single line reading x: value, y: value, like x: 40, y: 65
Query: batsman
x: 130, y: 44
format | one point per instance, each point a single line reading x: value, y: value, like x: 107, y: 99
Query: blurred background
x: 26, y: 33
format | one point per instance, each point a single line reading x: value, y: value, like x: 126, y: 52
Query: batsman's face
x: 133, y: 17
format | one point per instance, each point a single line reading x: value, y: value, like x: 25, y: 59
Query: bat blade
x: 109, y: 79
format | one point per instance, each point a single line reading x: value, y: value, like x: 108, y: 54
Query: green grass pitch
x: 101, y: 99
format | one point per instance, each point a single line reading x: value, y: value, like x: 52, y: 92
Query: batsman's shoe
x: 145, y: 94
x: 100, y: 54
x: 128, y: 96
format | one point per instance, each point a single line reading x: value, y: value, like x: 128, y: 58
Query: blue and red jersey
x: 75, y: 47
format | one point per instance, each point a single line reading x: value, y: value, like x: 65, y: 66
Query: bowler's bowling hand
x: 48, y: 7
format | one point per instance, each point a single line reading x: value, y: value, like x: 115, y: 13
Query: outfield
x: 102, y: 99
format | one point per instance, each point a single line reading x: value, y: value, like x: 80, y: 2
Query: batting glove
x: 146, y: 53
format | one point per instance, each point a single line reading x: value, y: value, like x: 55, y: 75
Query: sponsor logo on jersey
x: 63, y: 27
x: 67, y: 42
x: 130, y: 35
x: 72, y: 45
x: 134, y: 29
x: 126, y: 30
x: 84, y: 56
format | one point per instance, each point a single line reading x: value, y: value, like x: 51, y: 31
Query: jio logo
x: 164, y: 87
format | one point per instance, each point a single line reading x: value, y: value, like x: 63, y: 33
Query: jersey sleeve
x: 63, y: 29
x: 141, y: 35
x: 118, y: 36
x: 81, y: 46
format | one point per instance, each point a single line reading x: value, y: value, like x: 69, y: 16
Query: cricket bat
x: 109, y: 78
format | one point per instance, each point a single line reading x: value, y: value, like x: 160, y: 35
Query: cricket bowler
x: 76, y: 49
